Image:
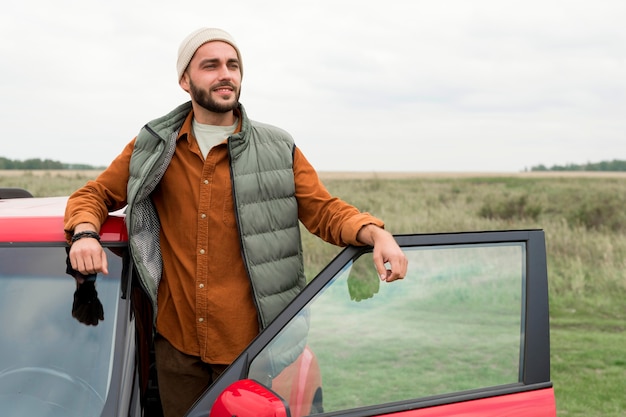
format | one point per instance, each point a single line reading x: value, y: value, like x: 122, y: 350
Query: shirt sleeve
x: 93, y: 202
x: 324, y: 215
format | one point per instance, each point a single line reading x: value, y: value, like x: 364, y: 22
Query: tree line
x: 614, y: 165
x: 37, y: 163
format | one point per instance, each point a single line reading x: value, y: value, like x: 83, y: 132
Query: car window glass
x: 453, y: 324
x: 50, y: 363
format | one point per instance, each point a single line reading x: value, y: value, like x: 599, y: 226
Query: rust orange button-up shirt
x: 205, y: 302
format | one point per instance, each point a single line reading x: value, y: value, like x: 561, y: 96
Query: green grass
x: 432, y: 329
x: 585, y: 224
x: 588, y: 357
x: 584, y: 221
x: 46, y: 183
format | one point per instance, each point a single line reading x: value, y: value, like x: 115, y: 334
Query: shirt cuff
x: 352, y: 227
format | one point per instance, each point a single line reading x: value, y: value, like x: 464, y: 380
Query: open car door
x: 465, y: 333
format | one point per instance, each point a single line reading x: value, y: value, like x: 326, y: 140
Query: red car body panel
x: 539, y: 403
x: 41, y: 220
x: 246, y: 398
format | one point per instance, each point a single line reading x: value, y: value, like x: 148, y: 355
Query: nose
x: 224, y: 72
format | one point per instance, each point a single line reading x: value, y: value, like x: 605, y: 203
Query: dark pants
x: 182, y: 378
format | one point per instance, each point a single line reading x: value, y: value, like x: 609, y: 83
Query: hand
x: 87, y: 257
x: 386, y: 252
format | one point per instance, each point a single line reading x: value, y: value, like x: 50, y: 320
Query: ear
x: 184, y: 81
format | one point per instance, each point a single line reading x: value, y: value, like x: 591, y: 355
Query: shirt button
x: 205, y: 182
x: 200, y: 319
x: 201, y: 251
x: 201, y: 285
x: 203, y: 216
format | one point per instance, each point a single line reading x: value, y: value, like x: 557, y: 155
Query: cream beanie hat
x: 196, y: 39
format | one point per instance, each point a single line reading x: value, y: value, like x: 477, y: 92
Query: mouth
x: 224, y: 89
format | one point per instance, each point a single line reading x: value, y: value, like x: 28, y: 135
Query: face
x: 213, y: 77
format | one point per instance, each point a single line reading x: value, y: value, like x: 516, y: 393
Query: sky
x: 412, y: 85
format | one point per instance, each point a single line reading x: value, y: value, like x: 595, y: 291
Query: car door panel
x: 535, y: 403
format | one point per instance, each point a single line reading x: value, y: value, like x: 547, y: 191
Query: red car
x: 466, y: 333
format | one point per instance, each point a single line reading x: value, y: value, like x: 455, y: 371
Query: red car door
x: 466, y: 333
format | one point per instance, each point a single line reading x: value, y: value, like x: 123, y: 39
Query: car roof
x: 40, y: 219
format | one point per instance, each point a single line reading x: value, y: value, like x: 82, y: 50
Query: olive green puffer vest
x: 265, y: 207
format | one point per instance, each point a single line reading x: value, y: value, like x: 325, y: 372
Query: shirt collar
x: 185, y: 129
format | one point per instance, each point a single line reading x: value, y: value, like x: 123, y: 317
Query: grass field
x: 584, y: 219
x: 452, y: 324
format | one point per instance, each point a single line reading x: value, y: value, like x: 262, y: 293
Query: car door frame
x: 535, y: 369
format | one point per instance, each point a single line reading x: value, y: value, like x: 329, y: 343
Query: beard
x: 204, y: 99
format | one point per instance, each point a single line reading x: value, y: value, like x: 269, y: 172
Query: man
x: 214, y: 200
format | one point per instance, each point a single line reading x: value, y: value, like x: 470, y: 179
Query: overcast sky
x: 447, y: 85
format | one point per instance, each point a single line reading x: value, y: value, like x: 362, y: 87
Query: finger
x: 74, y: 261
x: 88, y: 266
x: 74, y: 264
x: 80, y: 265
x: 393, y: 276
x: 104, y: 262
x: 398, y: 268
x: 379, y: 264
x: 80, y: 262
x: 88, y: 257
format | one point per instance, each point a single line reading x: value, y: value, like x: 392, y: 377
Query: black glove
x: 87, y: 308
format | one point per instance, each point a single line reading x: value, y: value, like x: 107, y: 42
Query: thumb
x: 105, y: 264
